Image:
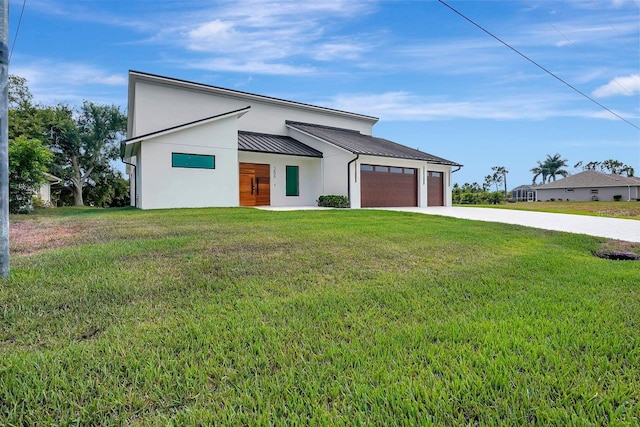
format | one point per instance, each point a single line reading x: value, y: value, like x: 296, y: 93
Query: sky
x: 437, y: 82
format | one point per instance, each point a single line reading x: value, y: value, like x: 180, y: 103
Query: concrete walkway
x: 612, y: 228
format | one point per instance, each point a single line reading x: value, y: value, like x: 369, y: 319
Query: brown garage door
x: 387, y: 186
x: 435, y: 189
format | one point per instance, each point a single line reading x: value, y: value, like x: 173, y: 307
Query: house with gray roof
x: 195, y: 145
x: 591, y: 186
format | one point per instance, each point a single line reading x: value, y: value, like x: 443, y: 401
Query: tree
x: 488, y: 182
x: 24, y: 116
x: 28, y: 160
x: 84, y: 143
x: 550, y: 168
x: 608, y: 166
x: 500, y: 174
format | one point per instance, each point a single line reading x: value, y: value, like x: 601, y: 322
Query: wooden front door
x: 255, y: 185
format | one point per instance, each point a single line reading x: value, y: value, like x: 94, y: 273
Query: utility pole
x: 4, y: 139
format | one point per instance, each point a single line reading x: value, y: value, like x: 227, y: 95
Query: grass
x: 240, y: 316
x: 628, y: 210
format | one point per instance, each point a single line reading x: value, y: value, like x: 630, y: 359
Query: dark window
x: 293, y: 182
x: 569, y: 190
x: 194, y: 161
x: 594, y: 191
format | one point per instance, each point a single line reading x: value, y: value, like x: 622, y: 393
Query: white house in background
x: 44, y: 192
x: 590, y: 185
x: 196, y: 145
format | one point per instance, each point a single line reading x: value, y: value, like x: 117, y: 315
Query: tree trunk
x: 77, y: 196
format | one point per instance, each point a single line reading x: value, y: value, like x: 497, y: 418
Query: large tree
x: 84, y: 142
x: 550, y: 168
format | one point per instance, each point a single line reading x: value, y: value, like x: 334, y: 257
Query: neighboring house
x: 195, y: 145
x: 45, y: 188
x: 590, y: 185
x: 524, y: 193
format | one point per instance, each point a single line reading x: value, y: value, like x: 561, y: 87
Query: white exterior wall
x: 310, y: 177
x: 45, y: 193
x: 334, y: 164
x: 169, y: 187
x: 605, y: 194
x: 160, y: 106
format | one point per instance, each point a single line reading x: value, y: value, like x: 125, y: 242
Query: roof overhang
x: 129, y: 144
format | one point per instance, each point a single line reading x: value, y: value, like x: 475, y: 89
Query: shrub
x: 333, y: 201
x: 552, y: 199
x: 617, y: 197
x: 495, y: 198
x: 595, y: 199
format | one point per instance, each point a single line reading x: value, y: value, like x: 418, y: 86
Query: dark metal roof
x: 276, y: 144
x: 357, y: 143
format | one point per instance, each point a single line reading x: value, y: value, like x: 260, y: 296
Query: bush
x: 595, y: 199
x: 495, y: 198
x: 333, y: 201
x: 617, y: 197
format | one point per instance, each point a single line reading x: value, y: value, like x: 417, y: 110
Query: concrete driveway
x: 612, y: 228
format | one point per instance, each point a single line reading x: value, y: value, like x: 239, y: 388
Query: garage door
x: 435, y: 189
x: 386, y: 186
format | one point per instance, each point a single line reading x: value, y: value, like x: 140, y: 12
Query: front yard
x: 240, y: 316
x: 628, y: 210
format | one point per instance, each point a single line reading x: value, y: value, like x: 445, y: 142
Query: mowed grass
x: 628, y: 210
x: 247, y: 317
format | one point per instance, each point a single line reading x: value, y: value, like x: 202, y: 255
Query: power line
x: 24, y: 3
x: 538, y: 65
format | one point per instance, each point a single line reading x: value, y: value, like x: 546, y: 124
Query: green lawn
x: 240, y: 316
x: 628, y: 210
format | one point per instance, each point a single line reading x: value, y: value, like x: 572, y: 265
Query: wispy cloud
x: 625, y: 86
x: 406, y: 106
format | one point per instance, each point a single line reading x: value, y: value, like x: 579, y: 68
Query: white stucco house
x: 195, y: 145
x: 591, y: 185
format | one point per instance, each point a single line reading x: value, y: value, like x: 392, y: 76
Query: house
x: 524, y: 193
x: 591, y: 185
x: 44, y: 192
x: 195, y: 145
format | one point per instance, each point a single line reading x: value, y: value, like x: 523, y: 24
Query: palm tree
x: 550, y: 168
x: 500, y: 175
x: 554, y: 165
x: 538, y: 171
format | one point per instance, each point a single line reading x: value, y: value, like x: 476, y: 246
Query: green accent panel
x: 195, y: 161
x: 293, y: 187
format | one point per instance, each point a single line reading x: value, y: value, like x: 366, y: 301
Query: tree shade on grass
x: 240, y: 316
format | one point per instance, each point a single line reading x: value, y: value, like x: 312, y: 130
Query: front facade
x: 591, y: 186
x: 195, y: 145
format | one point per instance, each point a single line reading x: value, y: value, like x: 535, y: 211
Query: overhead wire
x: 572, y: 43
x: 15, y: 37
x: 537, y: 65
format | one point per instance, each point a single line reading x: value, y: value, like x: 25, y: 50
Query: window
x: 410, y: 171
x: 293, y: 183
x: 594, y: 191
x: 569, y: 190
x: 396, y: 170
x: 382, y: 169
x: 193, y: 161
x: 366, y: 168
x: 436, y: 174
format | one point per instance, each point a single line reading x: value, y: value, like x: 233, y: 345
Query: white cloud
x: 625, y: 86
x: 406, y: 106
x: 254, y: 67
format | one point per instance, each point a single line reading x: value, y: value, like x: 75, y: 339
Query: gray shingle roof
x: 357, y: 143
x: 591, y: 179
x: 276, y: 144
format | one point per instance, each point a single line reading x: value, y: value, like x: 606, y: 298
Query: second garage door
x: 388, y: 186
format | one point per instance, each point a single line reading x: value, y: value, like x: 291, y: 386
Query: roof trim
x: 183, y: 126
x: 231, y: 92
x: 324, y: 141
x: 312, y: 152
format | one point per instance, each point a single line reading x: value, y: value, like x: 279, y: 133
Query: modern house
x: 195, y: 145
x: 591, y: 185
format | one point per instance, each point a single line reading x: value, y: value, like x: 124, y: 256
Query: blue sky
x: 437, y: 82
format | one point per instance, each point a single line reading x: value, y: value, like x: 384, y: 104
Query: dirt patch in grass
x: 28, y: 237
x: 619, y: 250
